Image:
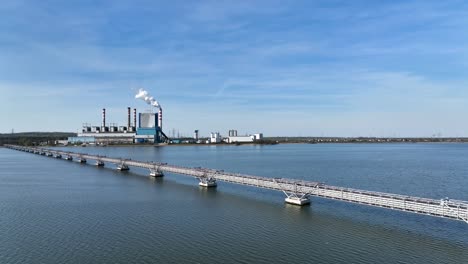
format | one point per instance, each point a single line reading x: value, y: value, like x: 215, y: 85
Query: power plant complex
x: 146, y: 127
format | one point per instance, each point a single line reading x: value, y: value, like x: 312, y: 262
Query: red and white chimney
x: 160, y: 118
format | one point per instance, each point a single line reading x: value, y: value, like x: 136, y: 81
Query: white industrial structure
x: 243, y: 139
x: 232, y: 133
x: 215, y: 137
x: 147, y: 120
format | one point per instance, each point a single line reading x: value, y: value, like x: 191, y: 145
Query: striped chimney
x: 103, y: 117
x: 129, y: 110
x: 160, y: 118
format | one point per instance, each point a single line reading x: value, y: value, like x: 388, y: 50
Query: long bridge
x: 297, y: 191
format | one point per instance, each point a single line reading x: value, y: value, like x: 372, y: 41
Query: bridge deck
x: 453, y: 209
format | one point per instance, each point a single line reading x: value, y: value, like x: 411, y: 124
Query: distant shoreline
x: 255, y: 144
x: 50, y: 138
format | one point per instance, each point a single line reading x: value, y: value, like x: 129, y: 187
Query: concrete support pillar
x: 294, y: 195
x: 156, y: 173
x: 99, y: 163
x: 207, y: 182
x: 123, y: 167
x: 297, y: 200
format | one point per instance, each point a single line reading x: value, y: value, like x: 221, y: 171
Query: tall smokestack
x: 160, y: 118
x: 129, y: 115
x: 134, y: 118
x: 103, y: 117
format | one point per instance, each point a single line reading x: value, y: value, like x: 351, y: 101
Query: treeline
x: 34, y: 138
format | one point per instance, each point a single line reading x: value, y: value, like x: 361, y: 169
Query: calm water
x: 54, y: 211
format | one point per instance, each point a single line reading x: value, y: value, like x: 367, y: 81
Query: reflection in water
x: 207, y: 192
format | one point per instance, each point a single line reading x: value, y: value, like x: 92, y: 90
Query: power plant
x: 147, y: 130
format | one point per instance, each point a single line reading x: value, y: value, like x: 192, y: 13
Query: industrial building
x: 215, y: 138
x: 244, y: 139
x: 234, y: 138
x: 148, y: 130
x: 146, y: 127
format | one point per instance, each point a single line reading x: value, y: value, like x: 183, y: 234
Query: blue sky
x: 292, y: 68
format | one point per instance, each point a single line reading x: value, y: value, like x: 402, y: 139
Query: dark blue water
x: 54, y: 211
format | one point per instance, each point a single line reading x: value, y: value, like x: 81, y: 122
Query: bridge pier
x: 207, y: 182
x: 69, y: 157
x: 294, y: 196
x: 156, y: 173
x: 297, y: 200
x: 123, y: 167
x: 99, y: 163
x: 81, y: 160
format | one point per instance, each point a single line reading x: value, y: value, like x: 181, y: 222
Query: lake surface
x: 55, y: 211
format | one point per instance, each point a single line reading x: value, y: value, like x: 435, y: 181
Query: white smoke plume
x: 145, y: 96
